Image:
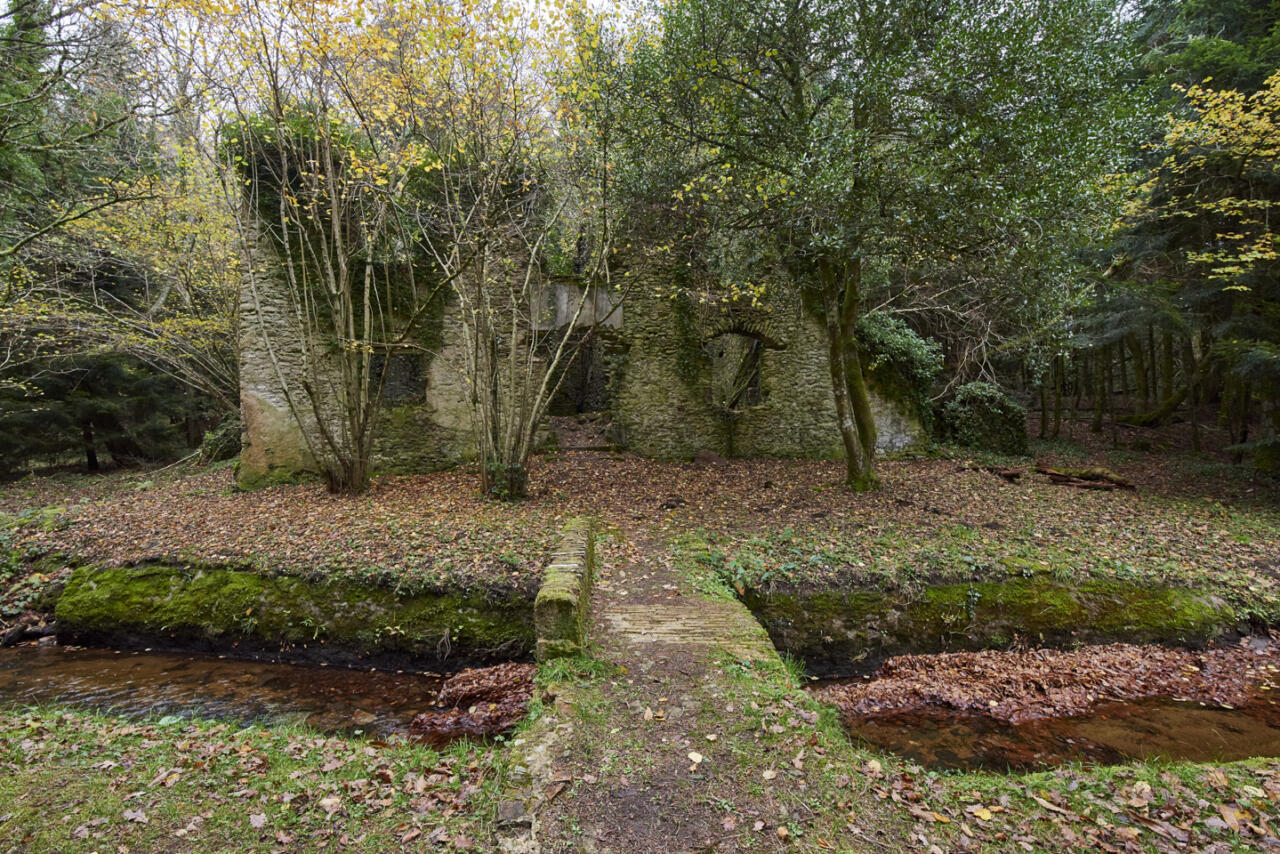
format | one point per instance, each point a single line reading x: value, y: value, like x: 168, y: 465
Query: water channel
x: 1111, y: 734
x: 159, y: 684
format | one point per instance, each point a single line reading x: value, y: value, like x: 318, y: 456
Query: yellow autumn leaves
x: 1221, y: 159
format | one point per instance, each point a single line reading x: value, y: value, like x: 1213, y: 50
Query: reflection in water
x: 1113, y: 733
x: 329, y: 699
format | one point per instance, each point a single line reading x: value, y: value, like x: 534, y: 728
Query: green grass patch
x: 77, y: 781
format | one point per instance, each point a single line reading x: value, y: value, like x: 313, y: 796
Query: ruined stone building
x: 674, y: 377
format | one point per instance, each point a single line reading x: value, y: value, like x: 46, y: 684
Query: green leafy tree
x: 1194, y: 257
x: 1200, y: 234
x: 68, y: 109
x: 835, y: 139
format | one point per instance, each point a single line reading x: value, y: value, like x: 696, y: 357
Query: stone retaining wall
x: 843, y: 631
x: 219, y: 609
x: 561, y: 609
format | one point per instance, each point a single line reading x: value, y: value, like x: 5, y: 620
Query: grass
x: 74, y: 780
x: 1150, y: 804
x: 67, y: 778
x: 1154, y: 805
x: 1180, y: 542
x: 79, y: 781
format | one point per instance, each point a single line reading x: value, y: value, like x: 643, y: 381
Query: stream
x: 173, y: 686
x: 1113, y: 733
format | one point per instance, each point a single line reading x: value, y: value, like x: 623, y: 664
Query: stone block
x: 560, y: 609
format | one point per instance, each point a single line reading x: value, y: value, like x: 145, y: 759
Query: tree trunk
x: 1109, y: 391
x: 90, y: 449
x: 1153, y: 363
x: 1193, y: 391
x: 1120, y: 383
x: 1099, y: 387
x: 1160, y: 414
x: 841, y: 300
x: 1044, y: 411
x: 1240, y: 417
x: 1077, y: 389
x: 1166, y: 365
x: 1139, y: 368
x: 1057, y: 396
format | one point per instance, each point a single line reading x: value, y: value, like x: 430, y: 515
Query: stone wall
x: 671, y: 389
x: 683, y: 378
x: 273, y: 446
x: 425, y: 420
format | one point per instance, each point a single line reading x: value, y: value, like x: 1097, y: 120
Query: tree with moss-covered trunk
x: 837, y: 138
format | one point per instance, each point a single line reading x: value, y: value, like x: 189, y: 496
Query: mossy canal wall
x: 847, y: 631
x: 223, y: 609
x: 235, y: 610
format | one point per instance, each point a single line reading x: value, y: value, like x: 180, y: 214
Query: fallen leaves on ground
x: 302, y: 789
x: 787, y: 520
x: 485, y: 701
x: 1039, y: 683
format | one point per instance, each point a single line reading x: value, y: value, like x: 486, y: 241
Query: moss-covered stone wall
x: 560, y: 612
x: 664, y: 401
x: 661, y: 388
x: 224, y: 609
x: 842, y: 631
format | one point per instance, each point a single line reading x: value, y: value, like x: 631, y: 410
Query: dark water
x: 146, y: 684
x: 1112, y: 734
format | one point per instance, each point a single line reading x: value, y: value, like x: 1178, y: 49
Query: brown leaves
x: 485, y: 701
x: 488, y: 684
x: 1022, y: 686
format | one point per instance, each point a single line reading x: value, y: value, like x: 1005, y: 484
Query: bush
x: 900, y: 363
x: 982, y: 416
x: 222, y: 442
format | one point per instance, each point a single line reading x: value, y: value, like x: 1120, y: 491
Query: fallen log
x: 1087, y: 478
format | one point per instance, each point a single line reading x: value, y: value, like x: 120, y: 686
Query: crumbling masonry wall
x: 660, y: 356
x: 425, y: 420
x: 665, y: 405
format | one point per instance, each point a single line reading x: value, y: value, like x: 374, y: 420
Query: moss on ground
x: 249, y: 480
x: 209, y: 605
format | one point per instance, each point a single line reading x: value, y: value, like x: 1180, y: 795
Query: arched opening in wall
x: 735, y: 370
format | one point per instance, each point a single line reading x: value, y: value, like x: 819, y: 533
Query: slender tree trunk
x: 1193, y: 391
x: 1119, y: 382
x: 1099, y: 387
x: 1057, y: 396
x: 859, y: 394
x: 1239, y: 417
x: 1044, y: 410
x: 1166, y: 365
x: 90, y: 448
x: 1078, y: 371
x: 1139, y: 369
x: 841, y: 299
x: 1153, y: 363
x: 1109, y: 391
